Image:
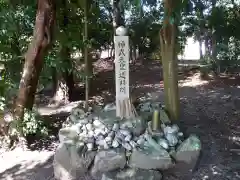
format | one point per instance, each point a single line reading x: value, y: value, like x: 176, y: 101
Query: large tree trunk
x: 168, y: 42
x: 42, y: 38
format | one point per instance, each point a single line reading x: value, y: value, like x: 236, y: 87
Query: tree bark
x: 118, y: 19
x: 63, y: 80
x: 42, y: 38
x: 200, y: 48
x: 214, y: 53
x: 86, y: 52
x: 168, y: 42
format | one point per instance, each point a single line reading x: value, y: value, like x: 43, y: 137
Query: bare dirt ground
x: 210, y: 109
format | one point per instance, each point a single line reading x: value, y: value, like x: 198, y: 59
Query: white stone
x: 83, y: 134
x: 78, y: 112
x: 97, y: 123
x: 100, y: 137
x: 127, y: 146
x: 163, y: 143
x: 101, y: 142
x: 121, y: 31
x: 106, y: 130
x: 80, y: 144
x: 111, y: 134
x: 140, y: 141
x: 180, y: 134
x: 146, y: 136
x: 73, y: 118
x: 172, y: 139
x: 90, y: 146
x: 120, y: 136
x: 89, y: 126
x: 103, y: 132
x: 128, y: 138
x: 133, y: 144
x: 90, y: 133
x: 97, y: 132
x: 84, y: 128
x: 115, y: 143
x: 175, y: 128
x: 123, y: 126
x: 67, y: 133
x: 124, y: 132
x: 171, y: 130
x: 75, y: 128
x: 109, y: 107
x: 115, y: 127
x: 79, y: 125
x: 100, y: 147
x: 106, y: 146
x: 135, y: 138
x: 108, y: 138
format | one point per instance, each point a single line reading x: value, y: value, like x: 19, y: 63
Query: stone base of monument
x: 101, y: 146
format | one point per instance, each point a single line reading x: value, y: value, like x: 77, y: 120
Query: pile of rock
x: 104, y: 146
x: 94, y: 133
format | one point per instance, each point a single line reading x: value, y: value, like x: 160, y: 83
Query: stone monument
x: 124, y: 107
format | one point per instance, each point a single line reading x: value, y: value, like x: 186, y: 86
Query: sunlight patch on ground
x: 27, y: 160
x: 148, y: 86
x: 44, y: 111
x: 193, y: 81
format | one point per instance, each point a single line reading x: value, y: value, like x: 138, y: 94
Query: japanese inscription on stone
x: 122, y: 66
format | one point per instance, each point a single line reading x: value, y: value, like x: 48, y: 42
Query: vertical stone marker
x: 124, y: 107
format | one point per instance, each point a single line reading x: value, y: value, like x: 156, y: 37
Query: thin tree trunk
x: 214, y: 53
x: 134, y: 53
x: 63, y: 81
x: 118, y: 19
x: 168, y: 37
x: 42, y: 38
x: 112, y: 51
x: 85, y: 38
x: 200, y: 48
x: 54, y: 79
x: 207, y: 44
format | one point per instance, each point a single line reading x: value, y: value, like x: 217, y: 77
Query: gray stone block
x: 69, y: 163
x: 108, y: 160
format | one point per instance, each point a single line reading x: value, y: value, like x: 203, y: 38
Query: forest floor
x: 209, y: 108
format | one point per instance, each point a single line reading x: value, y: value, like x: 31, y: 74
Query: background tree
x: 42, y: 39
